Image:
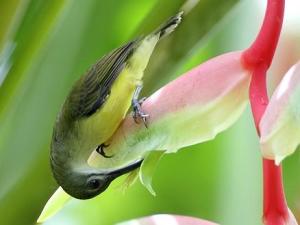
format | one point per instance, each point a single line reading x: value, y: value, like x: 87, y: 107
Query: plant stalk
x: 258, y: 59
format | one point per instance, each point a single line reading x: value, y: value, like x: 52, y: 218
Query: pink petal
x: 280, y: 125
x: 164, y: 219
x: 191, y: 109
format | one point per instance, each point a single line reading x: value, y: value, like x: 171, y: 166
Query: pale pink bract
x: 191, y: 109
x: 280, y: 125
x: 166, y: 219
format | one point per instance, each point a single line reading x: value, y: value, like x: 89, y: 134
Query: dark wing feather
x: 91, y: 91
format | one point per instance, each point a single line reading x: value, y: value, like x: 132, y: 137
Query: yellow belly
x: 98, y: 128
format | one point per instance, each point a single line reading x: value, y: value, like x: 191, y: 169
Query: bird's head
x: 84, y: 185
x: 73, y: 173
x: 88, y: 183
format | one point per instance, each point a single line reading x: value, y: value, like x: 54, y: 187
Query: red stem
x: 263, y: 48
x: 258, y: 59
x: 258, y: 93
x: 275, y: 206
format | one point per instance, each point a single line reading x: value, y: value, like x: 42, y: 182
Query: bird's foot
x: 138, y: 114
x: 100, y: 150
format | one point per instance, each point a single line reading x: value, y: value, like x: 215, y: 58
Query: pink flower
x: 164, y: 219
x: 280, y: 125
x: 191, y: 109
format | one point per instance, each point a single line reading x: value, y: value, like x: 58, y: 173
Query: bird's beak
x: 118, y: 172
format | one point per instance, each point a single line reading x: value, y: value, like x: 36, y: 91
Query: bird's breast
x: 99, y: 127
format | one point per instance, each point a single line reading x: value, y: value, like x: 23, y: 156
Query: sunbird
x: 93, y: 110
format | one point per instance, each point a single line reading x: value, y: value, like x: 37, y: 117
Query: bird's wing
x: 91, y: 91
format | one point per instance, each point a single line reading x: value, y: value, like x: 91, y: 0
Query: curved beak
x: 126, y: 169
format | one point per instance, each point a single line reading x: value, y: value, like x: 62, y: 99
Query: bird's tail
x: 170, y: 25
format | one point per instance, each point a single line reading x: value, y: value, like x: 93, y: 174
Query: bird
x: 93, y: 110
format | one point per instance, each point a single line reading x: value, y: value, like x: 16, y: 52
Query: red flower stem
x: 263, y: 48
x: 275, y: 206
x: 258, y: 93
x: 258, y: 59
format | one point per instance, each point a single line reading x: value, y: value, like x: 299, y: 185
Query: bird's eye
x: 94, y: 184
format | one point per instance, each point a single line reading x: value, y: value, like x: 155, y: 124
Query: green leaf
x: 10, y: 15
x: 54, y: 204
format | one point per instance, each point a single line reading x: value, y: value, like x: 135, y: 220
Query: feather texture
x: 90, y: 92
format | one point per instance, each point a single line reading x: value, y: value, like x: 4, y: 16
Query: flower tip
x: 147, y: 169
x: 291, y: 220
x: 281, y: 219
x: 280, y: 124
x: 279, y: 159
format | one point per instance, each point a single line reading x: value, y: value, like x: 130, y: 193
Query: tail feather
x: 170, y: 25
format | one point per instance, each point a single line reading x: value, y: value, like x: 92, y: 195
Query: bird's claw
x: 141, y: 101
x: 138, y: 114
x: 100, y: 150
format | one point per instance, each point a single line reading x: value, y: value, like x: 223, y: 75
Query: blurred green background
x: 46, y: 45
